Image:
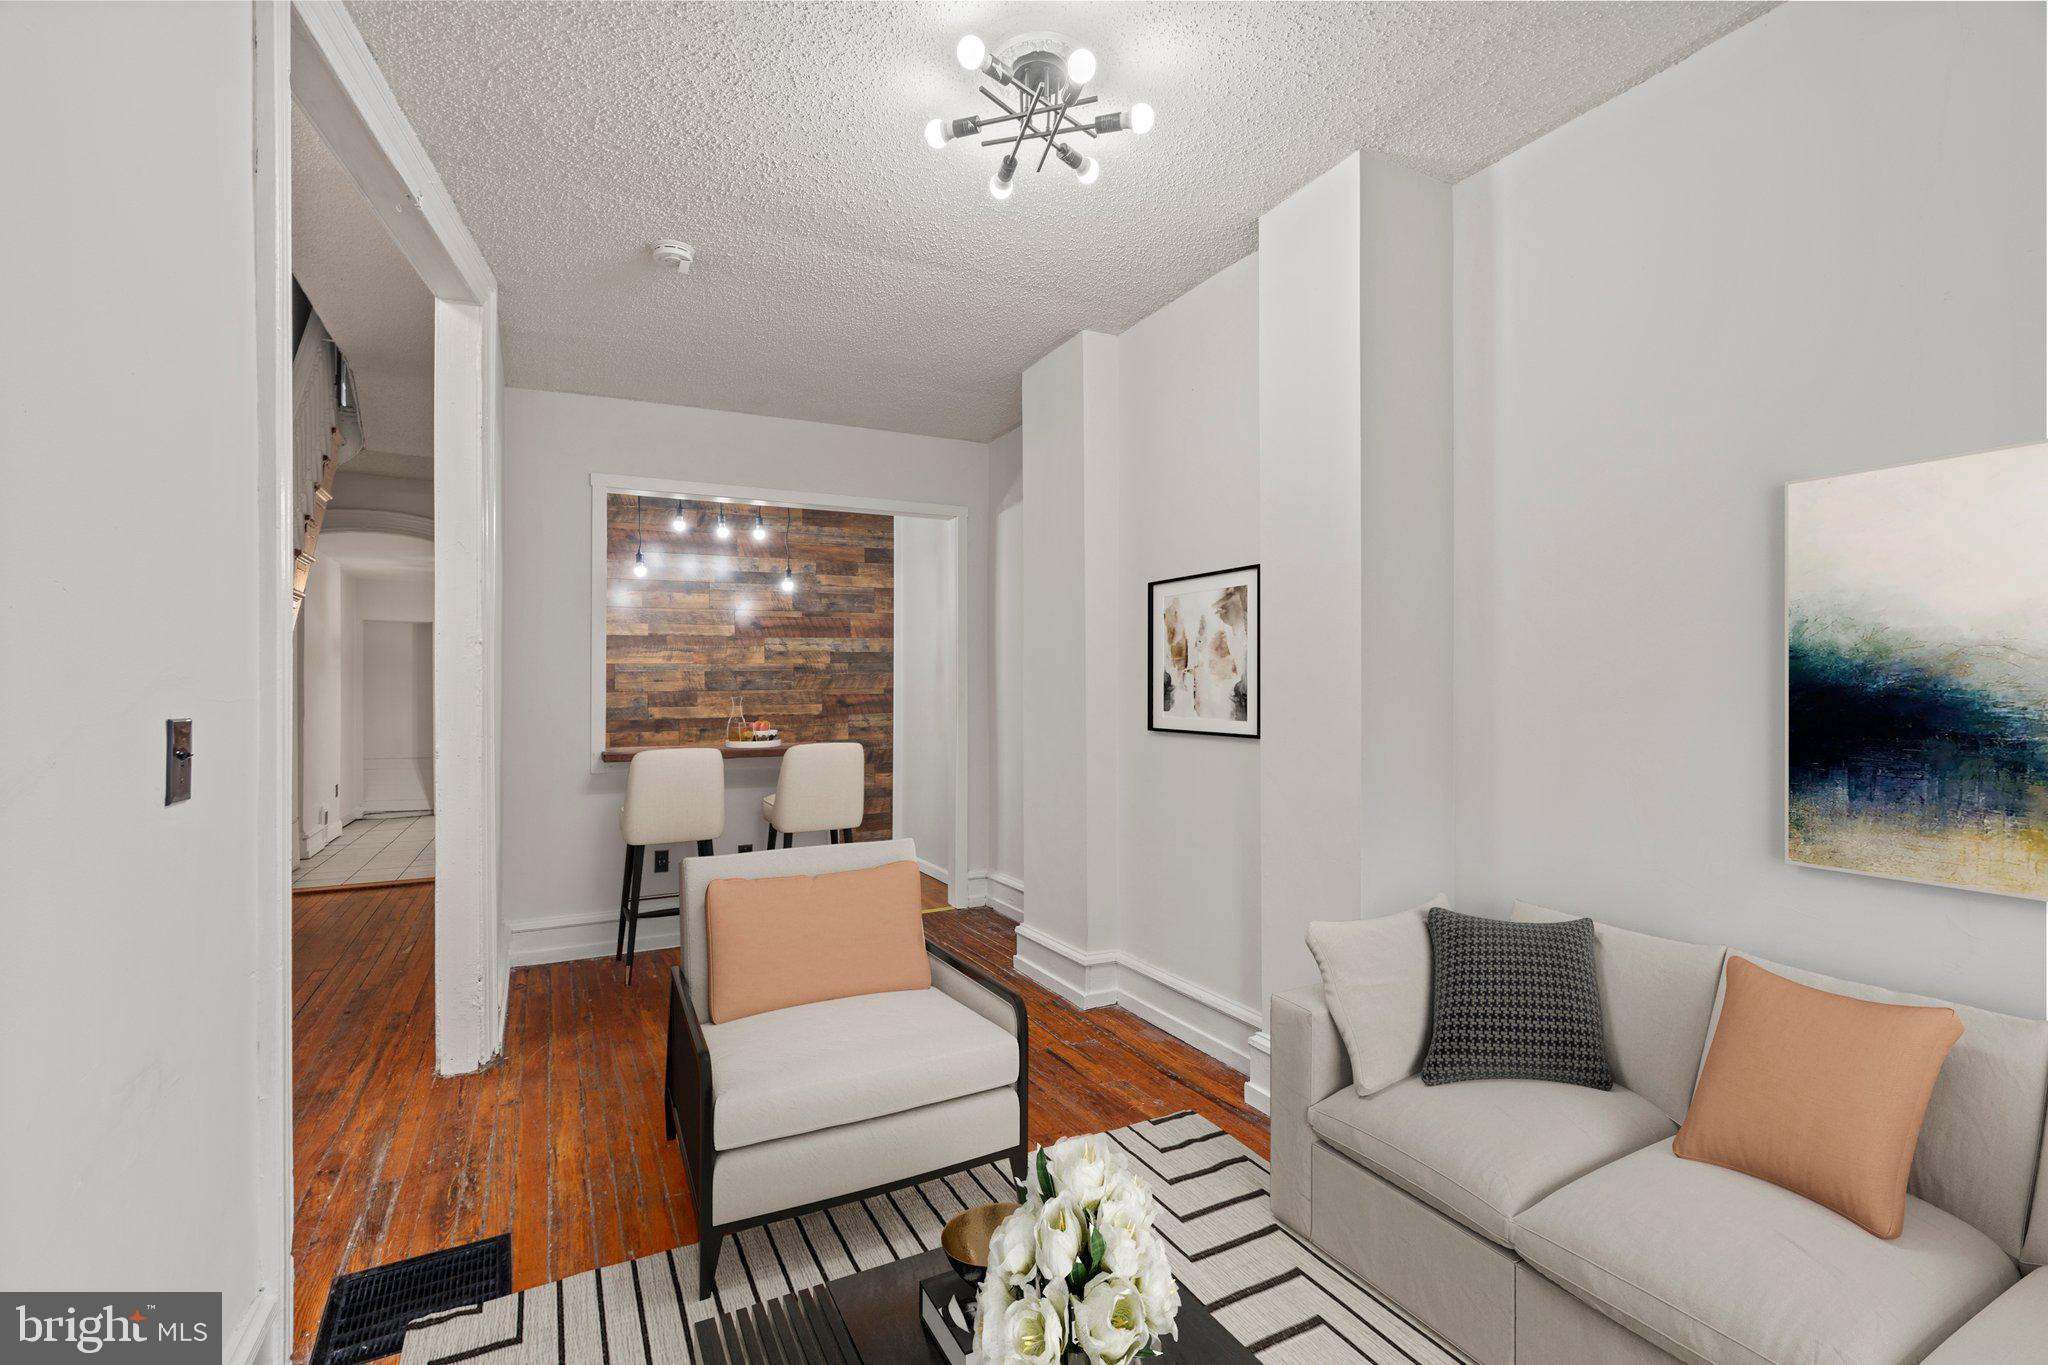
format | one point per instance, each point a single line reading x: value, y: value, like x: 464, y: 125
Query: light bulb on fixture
x: 679, y: 523
x: 1141, y: 119
x: 639, y: 564
x: 1085, y: 168
x: 788, y: 583
x: 724, y: 531
x: 760, y: 531
x: 971, y: 52
x: 1081, y: 66
x: 1004, y: 180
x: 935, y: 134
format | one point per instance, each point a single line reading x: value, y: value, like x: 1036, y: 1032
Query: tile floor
x: 373, y: 849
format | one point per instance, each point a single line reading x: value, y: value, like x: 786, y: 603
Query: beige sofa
x: 1541, y: 1224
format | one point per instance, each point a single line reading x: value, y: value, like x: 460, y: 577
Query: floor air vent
x: 367, y: 1311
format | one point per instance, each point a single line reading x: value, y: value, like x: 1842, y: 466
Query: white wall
x: 360, y: 577
x: 398, y: 715
x: 330, y: 767
x: 1003, y: 839
x: 1190, y: 837
x: 1142, y: 849
x: 1355, y: 513
x: 1812, y: 248
x: 356, y: 491
x: 1070, y: 833
x: 926, y: 725
x: 1311, y: 763
x: 135, y: 1120
x: 562, y: 852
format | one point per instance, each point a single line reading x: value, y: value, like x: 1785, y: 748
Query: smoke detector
x: 679, y: 256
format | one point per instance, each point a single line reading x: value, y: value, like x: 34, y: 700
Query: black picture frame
x: 1254, y: 693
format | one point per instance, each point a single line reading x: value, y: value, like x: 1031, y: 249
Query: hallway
x: 374, y: 849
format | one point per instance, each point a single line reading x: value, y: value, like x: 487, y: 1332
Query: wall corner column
x: 1073, y: 636
x: 1354, y: 505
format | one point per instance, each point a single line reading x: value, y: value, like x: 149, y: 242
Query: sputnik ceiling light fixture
x: 1046, y: 72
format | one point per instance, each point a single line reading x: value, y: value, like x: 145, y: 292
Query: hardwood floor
x: 561, y: 1141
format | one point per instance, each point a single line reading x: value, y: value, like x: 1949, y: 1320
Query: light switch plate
x: 177, y: 761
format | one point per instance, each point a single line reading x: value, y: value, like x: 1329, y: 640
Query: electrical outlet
x: 661, y: 860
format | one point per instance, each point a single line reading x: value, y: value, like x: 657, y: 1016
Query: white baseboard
x: 570, y: 938
x: 932, y: 869
x: 1192, y: 1013
x: 314, y: 839
x: 999, y: 891
x: 1088, y: 979
x: 1258, y: 1081
x: 251, y: 1339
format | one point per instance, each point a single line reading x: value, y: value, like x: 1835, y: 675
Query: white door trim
x: 266, y: 1330
x: 343, y: 94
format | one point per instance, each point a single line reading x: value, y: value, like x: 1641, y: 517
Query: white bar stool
x: 673, y: 796
x: 820, y: 787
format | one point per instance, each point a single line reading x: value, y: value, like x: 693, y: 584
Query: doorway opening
x: 410, y: 424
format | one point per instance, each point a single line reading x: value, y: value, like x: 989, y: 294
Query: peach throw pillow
x: 1818, y: 1092
x: 774, y: 942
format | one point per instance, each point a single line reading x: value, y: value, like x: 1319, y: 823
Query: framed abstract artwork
x: 1202, y: 653
x: 1916, y: 651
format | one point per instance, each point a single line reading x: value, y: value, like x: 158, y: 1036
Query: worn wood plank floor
x: 561, y: 1141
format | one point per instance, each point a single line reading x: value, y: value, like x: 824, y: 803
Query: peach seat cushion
x: 1819, y: 1093
x: 774, y: 942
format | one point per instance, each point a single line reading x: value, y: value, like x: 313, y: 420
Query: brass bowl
x: 966, y: 1237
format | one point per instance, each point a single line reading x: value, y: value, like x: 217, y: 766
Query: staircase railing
x: 317, y: 444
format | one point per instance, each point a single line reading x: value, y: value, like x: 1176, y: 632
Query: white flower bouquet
x: 1077, y: 1272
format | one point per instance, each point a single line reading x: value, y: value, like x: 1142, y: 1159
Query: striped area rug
x: 1269, y: 1289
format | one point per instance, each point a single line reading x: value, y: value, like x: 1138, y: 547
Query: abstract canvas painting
x: 1916, y: 626
x: 1203, y: 653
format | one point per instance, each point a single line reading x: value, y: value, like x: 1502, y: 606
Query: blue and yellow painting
x: 1917, y: 672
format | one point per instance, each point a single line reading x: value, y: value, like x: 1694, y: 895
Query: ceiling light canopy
x: 1046, y: 74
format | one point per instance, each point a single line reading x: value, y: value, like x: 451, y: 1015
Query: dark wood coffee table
x: 877, y: 1315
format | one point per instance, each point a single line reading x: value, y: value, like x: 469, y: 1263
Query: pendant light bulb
x: 971, y: 52
x: 1141, y: 119
x: 760, y: 530
x: 724, y: 531
x: 788, y: 583
x: 639, y: 564
x: 679, y: 523
x: 1081, y: 66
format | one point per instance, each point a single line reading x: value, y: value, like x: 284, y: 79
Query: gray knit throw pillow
x: 1514, y: 1001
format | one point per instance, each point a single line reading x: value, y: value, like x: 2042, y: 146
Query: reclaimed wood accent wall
x: 709, y: 625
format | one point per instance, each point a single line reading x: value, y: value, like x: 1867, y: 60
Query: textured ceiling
x: 374, y: 306
x: 846, y: 272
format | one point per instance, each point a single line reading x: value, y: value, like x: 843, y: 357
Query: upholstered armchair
x: 788, y: 1110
